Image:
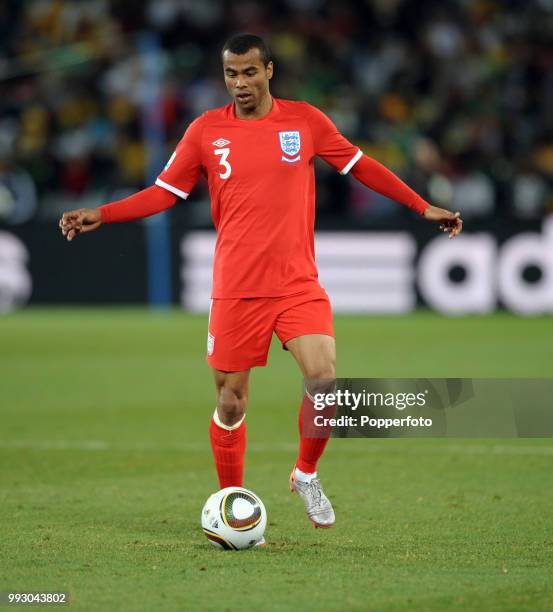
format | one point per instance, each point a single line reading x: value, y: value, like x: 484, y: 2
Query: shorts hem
x: 309, y: 333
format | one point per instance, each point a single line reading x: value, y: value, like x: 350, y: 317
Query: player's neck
x: 262, y: 109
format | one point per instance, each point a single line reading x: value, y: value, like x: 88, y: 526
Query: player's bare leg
x: 316, y: 357
x: 227, y: 431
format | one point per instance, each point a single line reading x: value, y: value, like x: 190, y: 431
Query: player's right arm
x: 142, y: 204
x: 176, y: 181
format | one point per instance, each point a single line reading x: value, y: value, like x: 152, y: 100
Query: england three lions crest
x: 290, y: 143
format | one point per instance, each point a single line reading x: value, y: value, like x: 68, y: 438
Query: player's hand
x: 450, y: 222
x: 79, y: 221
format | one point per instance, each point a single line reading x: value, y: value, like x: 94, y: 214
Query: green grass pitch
x: 105, y: 465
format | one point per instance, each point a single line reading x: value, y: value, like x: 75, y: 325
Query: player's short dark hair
x: 242, y: 43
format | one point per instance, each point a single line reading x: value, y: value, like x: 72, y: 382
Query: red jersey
x: 262, y: 187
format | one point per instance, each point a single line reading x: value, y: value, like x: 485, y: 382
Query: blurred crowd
x: 456, y: 96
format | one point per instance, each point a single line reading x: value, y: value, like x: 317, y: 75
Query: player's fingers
x: 67, y: 223
x: 68, y: 216
x: 456, y: 230
x: 72, y: 217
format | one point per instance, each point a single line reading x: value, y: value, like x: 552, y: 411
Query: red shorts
x: 240, y: 330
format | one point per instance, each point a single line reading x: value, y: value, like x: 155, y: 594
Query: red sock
x: 313, y: 440
x: 228, y: 448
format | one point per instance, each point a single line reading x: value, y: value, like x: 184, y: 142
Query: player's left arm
x: 377, y: 177
x: 336, y: 150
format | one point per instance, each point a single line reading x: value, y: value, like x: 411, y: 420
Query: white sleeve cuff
x: 352, y: 162
x: 177, y: 192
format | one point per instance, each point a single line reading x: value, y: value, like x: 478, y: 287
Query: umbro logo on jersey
x: 220, y: 142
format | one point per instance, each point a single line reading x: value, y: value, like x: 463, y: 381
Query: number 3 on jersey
x: 224, y: 154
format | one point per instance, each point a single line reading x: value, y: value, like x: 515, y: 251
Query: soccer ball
x: 234, y: 518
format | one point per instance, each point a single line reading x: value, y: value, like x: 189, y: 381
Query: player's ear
x: 269, y: 70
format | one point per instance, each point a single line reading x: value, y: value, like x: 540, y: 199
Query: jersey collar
x: 275, y: 109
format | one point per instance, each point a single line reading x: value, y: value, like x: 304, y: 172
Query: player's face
x: 247, y: 78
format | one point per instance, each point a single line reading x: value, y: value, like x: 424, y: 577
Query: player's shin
x: 314, y: 435
x: 229, y: 446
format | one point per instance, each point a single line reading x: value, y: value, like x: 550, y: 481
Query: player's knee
x: 229, y: 415
x: 322, y: 371
x: 231, y: 405
x: 321, y: 379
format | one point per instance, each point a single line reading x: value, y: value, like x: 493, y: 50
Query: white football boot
x: 317, y: 505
